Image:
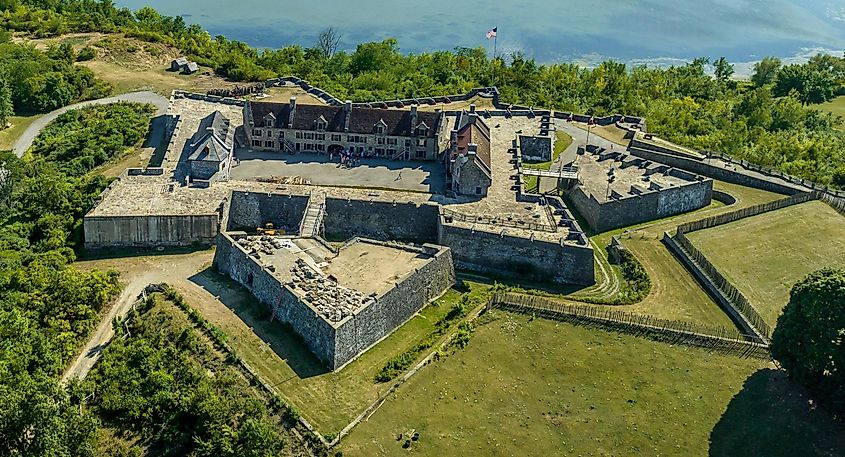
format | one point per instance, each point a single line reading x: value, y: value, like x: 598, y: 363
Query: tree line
x: 768, y: 120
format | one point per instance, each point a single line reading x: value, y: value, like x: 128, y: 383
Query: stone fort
x: 345, y: 263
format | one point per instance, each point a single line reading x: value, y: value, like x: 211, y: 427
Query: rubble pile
x: 263, y: 244
x: 332, y: 301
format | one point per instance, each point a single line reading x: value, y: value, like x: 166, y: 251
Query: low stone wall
x: 711, y: 171
x: 635, y: 209
x: 517, y: 257
x: 249, y: 210
x: 381, y: 220
x: 373, y: 323
x: 233, y: 261
x: 149, y: 231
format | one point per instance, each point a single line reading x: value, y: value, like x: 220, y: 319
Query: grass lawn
x: 763, y: 256
x: 329, y: 401
x: 10, y: 135
x: 562, y: 141
x: 537, y: 387
x: 835, y: 107
x: 608, y: 132
x: 675, y: 294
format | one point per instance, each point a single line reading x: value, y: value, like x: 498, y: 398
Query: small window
x: 421, y: 142
x: 321, y: 125
x: 256, y: 132
x: 281, y: 134
x: 298, y: 135
x: 321, y: 136
x: 477, y: 191
x: 380, y: 129
x: 256, y: 143
x: 268, y: 144
x: 421, y: 153
x: 380, y: 140
x: 268, y: 122
x: 335, y: 137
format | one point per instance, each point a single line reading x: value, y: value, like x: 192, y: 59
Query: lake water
x: 635, y: 31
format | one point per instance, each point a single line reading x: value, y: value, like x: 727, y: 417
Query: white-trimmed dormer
x: 422, y: 129
x: 321, y: 123
x: 380, y: 127
x: 270, y: 120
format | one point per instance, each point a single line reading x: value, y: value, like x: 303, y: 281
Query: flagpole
x: 495, y: 48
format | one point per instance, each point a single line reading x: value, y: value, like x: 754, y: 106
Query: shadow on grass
x: 772, y: 416
x: 280, y: 337
x: 548, y: 287
x: 114, y: 253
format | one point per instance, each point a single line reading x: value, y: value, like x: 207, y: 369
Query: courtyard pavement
x: 316, y: 168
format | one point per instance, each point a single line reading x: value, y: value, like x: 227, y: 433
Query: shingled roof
x: 213, y: 141
x: 475, y: 131
x: 362, y: 121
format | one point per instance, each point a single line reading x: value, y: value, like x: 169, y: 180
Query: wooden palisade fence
x: 717, y: 339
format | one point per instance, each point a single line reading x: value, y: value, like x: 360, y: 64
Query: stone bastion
x: 341, y: 301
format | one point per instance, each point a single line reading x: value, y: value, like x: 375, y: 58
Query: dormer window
x: 321, y: 123
x: 269, y: 120
x: 380, y: 127
x: 422, y: 129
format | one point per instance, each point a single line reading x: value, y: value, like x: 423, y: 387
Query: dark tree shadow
x: 281, y: 338
x: 773, y: 416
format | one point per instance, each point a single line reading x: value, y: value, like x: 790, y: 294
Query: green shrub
x: 86, y: 53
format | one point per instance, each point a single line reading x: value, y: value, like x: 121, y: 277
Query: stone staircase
x: 312, y: 222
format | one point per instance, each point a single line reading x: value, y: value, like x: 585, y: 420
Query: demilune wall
x: 249, y: 210
x: 149, y: 231
x: 512, y: 256
x: 381, y: 220
x: 722, y: 174
x: 232, y: 260
x: 392, y: 309
x: 646, y: 207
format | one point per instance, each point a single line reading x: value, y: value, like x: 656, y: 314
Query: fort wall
x: 232, y: 260
x: 149, y: 231
x: 369, y: 325
x: 249, y: 210
x: 381, y: 220
x: 635, y: 209
x: 498, y: 254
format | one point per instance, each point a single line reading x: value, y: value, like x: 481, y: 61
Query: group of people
x: 348, y: 157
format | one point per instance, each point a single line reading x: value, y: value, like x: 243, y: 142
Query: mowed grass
x: 764, y: 255
x: 329, y: 401
x: 538, y: 387
x: 675, y: 294
x: 8, y: 136
x: 835, y: 107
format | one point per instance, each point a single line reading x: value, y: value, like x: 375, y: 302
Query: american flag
x: 492, y: 33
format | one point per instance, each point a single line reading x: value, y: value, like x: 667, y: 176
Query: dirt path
x: 28, y: 136
x: 137, y: 272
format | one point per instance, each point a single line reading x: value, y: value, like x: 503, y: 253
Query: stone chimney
x: 472, y: 149
x: 472, y: 107
x: 347, y: 108
x: 291, y: 111
x: 413, y: 119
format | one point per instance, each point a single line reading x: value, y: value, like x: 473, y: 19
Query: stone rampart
x: 501, y: 254
x: 232, y: 260
x: 646, y: 206
x: 371, y: 324
x: 150, y: 231
x: 249, y: 210
x: 717, y: 172
x: 381, y: 220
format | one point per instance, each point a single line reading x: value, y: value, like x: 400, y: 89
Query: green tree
x: 723, y: 70
x: 765, y: 71
x: 809, y: 340
x: 7, y: 110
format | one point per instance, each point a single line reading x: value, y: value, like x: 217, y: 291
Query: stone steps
x: 314, y: 214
